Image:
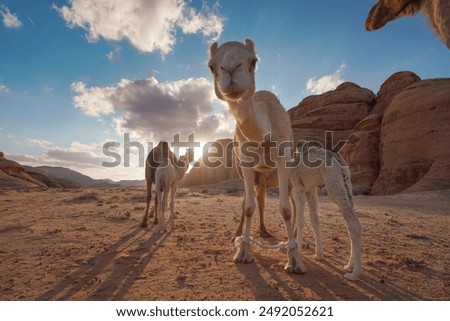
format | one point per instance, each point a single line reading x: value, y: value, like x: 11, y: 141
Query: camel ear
x: 250, y: 45
x: 213, y: 48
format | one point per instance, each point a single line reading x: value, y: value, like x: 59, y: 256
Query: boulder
x: 337, y: 111
x: 14, y: 175
x: 391, y: 87
x: 361, y: 153
x: 414, y: 139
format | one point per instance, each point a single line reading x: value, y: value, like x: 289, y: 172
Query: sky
x: 80, y: 76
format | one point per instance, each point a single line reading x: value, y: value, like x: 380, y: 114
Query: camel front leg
x: 294, y: 264
x: 241, y: 222
x: 243, y: 254
x: 261, y: 196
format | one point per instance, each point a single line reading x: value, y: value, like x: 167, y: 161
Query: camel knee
x: 249, y: 210
x: 286, y: 213
x: 355, y: 229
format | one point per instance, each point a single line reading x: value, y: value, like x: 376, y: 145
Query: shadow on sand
x: 324, y: 279
x: 87, y: 278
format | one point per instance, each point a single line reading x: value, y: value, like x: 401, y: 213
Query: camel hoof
x: 289, y: 268
x: 294, y: 264
x: 243, y: 258
x: 143, y: 224
x: 243, y: 254
x: 348, y: 268
x: 318, y: 257
x: 352, y: 276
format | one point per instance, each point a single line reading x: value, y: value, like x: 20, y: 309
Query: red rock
x: 415, y: 134
x: 361, y: 153
x: 391, y: 87
x: 337, y: 111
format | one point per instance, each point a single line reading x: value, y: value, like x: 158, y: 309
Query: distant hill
x: 14, y: 175
x: 70, y: 178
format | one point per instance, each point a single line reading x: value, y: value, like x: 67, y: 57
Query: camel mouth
x: 235, y: 94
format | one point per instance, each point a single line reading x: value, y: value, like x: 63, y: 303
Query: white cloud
x: 76, y: 156
x: 84, y: 158
x: 3, y: 89
x: 10, y: 20
x: 114, y: 55
x: 39, y: 142
x: 155, y: 111
x: 326, y: 83
x: 147, y: 25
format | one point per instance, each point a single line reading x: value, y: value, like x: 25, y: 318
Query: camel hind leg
x: 339, y: 193
x: 149, y: 199
x: 173, y: 190
x: 311, y: 198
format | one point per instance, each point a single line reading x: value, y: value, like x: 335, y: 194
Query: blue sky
x: 76, y: 74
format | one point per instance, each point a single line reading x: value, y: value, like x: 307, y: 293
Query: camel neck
x: 244, y: 114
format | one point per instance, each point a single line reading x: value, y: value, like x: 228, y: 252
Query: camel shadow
x: 324, y: 281
x: 86, y: 279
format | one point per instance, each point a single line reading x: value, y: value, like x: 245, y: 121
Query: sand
x: 86, y: 244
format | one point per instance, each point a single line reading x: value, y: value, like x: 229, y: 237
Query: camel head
x: 186, y: 159
x: 385, y: 11
x: 233, y: 67
x: 437, y: 12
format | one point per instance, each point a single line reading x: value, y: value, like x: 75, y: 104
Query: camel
x: 263, y: 181
x: 154, y: 159
x: 167, y: 176
x: 312, y: 172
x: 260, y: 119
x: 317, y: 167
x: 437, y: 12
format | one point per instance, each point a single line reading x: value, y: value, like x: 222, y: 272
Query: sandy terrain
x: 86, y: 244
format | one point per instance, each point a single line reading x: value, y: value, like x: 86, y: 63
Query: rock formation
x: 362, y: 149
x: 415, y: 132
x: 337, y: 111
x: 14, y: 175
x: 361, y: 153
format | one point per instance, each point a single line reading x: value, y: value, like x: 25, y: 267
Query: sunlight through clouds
x: 152, y: 110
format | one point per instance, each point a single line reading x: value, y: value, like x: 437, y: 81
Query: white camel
x: 167, y: 177
x: 317, y: 167
x: 437, y: 12
x: 260, y: 118
x: 154, y: 159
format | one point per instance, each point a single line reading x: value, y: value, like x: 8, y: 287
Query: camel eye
x: 253, y: 64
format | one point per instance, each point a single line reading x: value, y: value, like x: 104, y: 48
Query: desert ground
x: 86, y: 244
